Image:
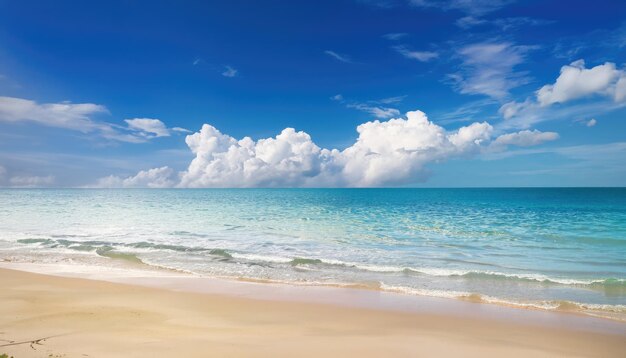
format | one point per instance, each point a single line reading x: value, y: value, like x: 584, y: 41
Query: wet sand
x: 43, y: 316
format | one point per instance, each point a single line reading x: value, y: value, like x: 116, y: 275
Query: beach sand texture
x: 71, y: 317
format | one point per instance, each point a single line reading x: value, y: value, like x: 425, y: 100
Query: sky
x: 342, y: 93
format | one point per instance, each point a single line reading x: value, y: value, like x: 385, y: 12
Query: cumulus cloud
x: 575, y: 81
x: 163, y: 177
x: 592, y: 122
x: 148, y: 127
x: 525, y: 138
x: 422, y: 56
x: 489, y: 69
x: 386, y: 153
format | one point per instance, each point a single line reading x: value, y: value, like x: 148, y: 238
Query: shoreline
x: 154, y: 277
x: 594, y: 294
x: 149, y: 275
x: 99, y: 318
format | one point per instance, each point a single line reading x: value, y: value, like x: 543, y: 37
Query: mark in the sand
x: 33, y: 342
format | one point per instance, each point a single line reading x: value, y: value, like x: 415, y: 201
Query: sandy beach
x: 51, y: 316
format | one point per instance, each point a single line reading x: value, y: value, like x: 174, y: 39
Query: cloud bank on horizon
x: 389, y: 153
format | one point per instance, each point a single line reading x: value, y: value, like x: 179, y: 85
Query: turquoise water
x: 545, y: 248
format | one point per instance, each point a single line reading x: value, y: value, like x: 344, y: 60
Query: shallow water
x: 544, y: 248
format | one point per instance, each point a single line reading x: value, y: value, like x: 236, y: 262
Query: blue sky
x: 79, y: 79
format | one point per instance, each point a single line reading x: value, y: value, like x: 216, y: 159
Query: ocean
x: 542, y: 248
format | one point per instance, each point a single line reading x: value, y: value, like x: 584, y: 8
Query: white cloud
x: 469, y: 21
x: 474, y: 7
x: 504, y: 24
x: 180, y: 130
x: 423, y: 56
x: 390, y: 100
x: 63, y: 115
x: 393, y: 152
x: 79, y: 117
x: 163, y: 177
x: 376, y: 111
x: 516, y: 22
x: 488, y: 69
x: 395, y: 36
x: 338, y: 57
x: 229, y: 72
x: 576, y: 81
x: 24, y: 181
x: 372, y: 107
x: 511, y: 109
x: 31, y: 181
x: 386, y: 153
x: 383, y: 4
x: 148, y: 127
x: 467, y: 112
x: 525, y: 138
x: 592, y: 122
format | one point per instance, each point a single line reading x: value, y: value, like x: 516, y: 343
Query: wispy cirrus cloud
x: 376, y: 108
x: 230, y: 71
x: 381, y: 4
x: 422, y: 56
x: 489, y: 68
x: 394, y: 36
x: 338, y: 57
x: 79, y: 117
x: 389, y: 100
x: 24, y: 181
x: 149, y: 126
x: 473, y: 7
x: 31, y: 181
x: 503, y: 24
x: 376, y: 111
